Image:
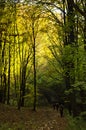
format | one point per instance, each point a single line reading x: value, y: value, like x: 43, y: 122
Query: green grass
x: 7, y: 126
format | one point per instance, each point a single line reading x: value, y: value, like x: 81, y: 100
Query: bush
x: 76, y: 123
x: 83, y: 115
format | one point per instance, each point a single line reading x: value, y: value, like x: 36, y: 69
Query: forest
x: 43, y: 54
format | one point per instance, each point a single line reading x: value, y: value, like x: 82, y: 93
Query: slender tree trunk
x: 23, y: 85
x: 5, y: 87
x: 4, y: 74
x: 84, y: 31
x: 14, y: 68
x: 34, y: 107
x: 85, y: 25
x: 34, y: 66
x: 8, y: 94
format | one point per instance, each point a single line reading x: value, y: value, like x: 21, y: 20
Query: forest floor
x: 43, y: 119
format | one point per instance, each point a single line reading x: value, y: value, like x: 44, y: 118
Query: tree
x: 70, y: 10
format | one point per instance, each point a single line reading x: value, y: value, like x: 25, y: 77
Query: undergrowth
x: 6, y: 126
x: 77, y: 123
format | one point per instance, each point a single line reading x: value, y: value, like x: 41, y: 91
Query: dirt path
x: 26, y: 119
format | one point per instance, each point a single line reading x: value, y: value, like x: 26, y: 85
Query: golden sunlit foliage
x: 28, y: 24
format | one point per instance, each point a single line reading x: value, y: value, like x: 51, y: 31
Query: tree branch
x: 50, y: 3
x: 77, y: 8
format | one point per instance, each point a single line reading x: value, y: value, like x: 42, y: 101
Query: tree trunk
x: 69, y: 39
x: 23, y: 85
x: 8, y: 94
x: 34, y: 65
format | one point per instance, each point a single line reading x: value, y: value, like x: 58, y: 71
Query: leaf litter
x: 45, y: 118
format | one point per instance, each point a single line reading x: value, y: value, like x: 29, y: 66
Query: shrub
x: 83, y: 115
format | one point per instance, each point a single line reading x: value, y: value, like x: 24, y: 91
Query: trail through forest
x: 25, y: 119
